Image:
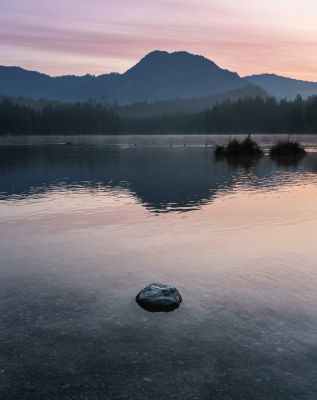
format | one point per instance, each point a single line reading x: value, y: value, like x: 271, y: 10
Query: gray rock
x: 159, y: 297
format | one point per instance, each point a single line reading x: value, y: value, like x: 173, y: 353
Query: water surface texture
x: 83, y: 228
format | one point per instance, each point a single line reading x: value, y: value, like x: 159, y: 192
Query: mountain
x: 281, y: 87
x: 161, y: 75
x: 158, y: 76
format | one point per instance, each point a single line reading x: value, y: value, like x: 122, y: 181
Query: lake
x: 84, y: 227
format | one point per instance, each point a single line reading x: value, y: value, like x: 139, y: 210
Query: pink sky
x: 100, y: 36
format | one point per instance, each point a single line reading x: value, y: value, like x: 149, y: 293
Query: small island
x: 246, y: 149
x: 287, y: 149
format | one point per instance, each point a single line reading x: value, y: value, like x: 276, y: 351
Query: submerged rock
x: 159, y: 297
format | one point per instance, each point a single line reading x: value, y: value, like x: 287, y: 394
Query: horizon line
x: 146, y: 55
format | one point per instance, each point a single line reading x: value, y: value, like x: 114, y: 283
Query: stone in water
x: 159, y: 297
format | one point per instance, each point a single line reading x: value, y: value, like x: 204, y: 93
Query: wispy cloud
x: 106, y: 35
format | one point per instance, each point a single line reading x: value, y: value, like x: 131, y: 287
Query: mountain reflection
x: 162, y: 179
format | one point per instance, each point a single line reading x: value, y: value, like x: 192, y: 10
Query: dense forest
x: 45, y: 118
x: 263, y: 115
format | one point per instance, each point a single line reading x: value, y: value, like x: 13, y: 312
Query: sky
x: 102, y: 36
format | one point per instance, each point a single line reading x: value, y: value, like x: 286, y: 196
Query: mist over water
x: 84, y: 227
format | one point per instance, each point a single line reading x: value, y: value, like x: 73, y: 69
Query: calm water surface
x: 84, y: 227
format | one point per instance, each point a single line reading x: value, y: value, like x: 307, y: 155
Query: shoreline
x: 144, y: 139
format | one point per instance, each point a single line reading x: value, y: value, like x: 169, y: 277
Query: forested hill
x: 144, y: 109
x: 262, y: 115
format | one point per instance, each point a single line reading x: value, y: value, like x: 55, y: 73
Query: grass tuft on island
x: 287, y: 149
x: 247, y: 149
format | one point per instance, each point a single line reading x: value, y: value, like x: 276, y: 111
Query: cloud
x: 242, y: 36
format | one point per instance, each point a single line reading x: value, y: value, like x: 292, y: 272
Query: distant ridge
x: 16, y: 81
x: 281, y: 87
x: 159, y: 76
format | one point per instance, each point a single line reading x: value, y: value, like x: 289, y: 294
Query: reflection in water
x: 292, y: 160
x: 162, y: 179
x: 83, y: 228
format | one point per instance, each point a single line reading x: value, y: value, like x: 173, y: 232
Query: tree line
x: 262, y: 115
x: 45, y: 118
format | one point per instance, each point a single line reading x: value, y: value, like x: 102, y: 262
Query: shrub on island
x: 287, y: 148
x: 243, y: 150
